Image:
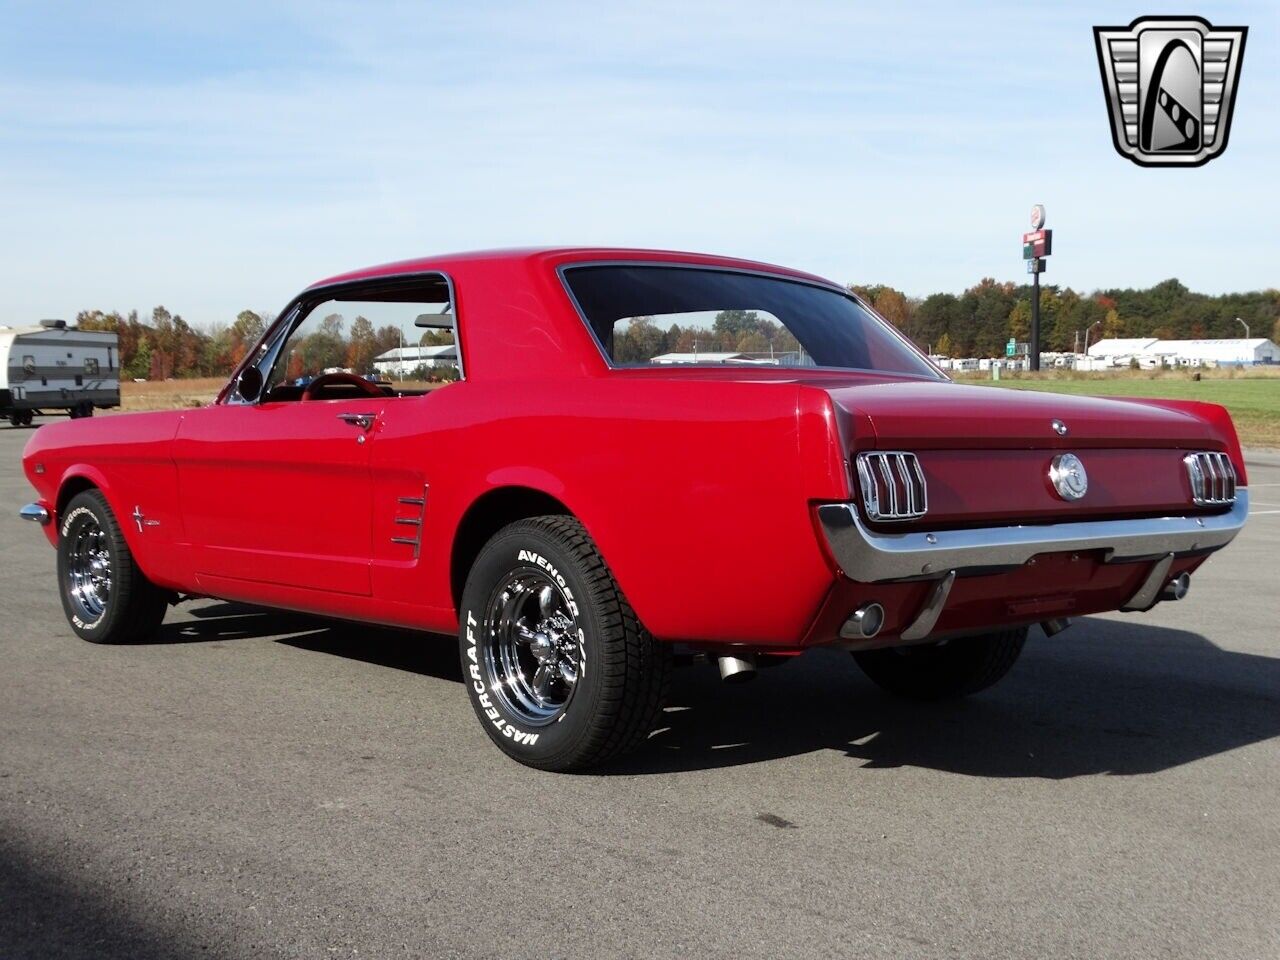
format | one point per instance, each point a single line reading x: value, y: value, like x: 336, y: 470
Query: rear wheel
x: 946, y: 669
x: 560, y: 672
x: 106, y: 597
x: 25, y: 418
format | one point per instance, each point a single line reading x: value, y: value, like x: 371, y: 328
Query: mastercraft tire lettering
x: 559, y: 671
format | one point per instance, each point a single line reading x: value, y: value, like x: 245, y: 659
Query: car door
x: 279, y: 493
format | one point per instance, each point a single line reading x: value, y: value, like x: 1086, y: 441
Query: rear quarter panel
x: 697, y: 494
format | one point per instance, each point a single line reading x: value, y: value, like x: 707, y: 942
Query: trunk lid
x: 915, y: 416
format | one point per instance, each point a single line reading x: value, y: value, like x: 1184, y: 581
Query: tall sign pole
x: 1036, y: 245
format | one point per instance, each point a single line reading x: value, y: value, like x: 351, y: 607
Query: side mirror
x: 249, y: 384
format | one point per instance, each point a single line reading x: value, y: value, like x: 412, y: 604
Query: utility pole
x: 1036, y: 245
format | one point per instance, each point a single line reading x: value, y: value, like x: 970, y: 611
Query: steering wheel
x: 329, y: 379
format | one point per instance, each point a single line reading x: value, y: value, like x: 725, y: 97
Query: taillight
x: 1213, y: 478
x: 892, y: 485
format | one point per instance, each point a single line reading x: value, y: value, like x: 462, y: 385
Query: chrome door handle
x: 362, y: 420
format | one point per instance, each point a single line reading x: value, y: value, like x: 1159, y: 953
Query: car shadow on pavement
x: 1106, y: 697
x: 435, y: 656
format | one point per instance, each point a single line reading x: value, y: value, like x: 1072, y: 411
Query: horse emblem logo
x: 1170, y: 84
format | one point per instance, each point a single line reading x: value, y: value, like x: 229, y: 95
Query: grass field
x: 1253, y: 398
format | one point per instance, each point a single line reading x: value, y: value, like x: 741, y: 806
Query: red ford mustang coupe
x: 631, y: 450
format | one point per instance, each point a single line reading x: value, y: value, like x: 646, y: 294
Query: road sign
x: 1011, y: 348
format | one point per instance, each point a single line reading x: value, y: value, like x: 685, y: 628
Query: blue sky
x: 223, y: 157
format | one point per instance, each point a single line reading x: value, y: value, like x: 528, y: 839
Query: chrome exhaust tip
x: 1176, y: 588
x: 864, y: 623
x: 737, y: 669
x: 1055, y: 626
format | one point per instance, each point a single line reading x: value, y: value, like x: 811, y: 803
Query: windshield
x: 656, y: 315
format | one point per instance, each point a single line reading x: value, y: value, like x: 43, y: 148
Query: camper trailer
x: 51, y: 367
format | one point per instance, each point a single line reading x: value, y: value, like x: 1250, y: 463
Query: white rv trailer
x: 52, y: 367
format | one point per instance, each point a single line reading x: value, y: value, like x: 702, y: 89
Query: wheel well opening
x: 486, y: 517
x: 69, y: 489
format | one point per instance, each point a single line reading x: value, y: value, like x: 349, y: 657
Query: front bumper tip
x: 36, y: 513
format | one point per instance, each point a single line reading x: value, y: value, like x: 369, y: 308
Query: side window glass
x: 91, y: 366
x: 28, y: 365
x: 400, y: 337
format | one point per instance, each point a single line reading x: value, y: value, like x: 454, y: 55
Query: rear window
x: 659, y: 315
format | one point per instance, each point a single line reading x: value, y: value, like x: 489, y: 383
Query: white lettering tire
x: 560, y: 671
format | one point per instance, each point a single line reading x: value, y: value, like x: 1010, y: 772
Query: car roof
x: 553, y: 257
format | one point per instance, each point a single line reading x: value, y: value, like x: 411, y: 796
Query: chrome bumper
x: 870, y: 556
x: 35, y: 513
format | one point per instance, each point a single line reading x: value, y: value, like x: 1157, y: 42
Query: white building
x: 1152, y: 353
x: 402, y: 361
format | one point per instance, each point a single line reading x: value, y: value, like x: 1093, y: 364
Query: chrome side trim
x: 1145, y: 597
x: 924, y: 622
x: 35, y: 512
x: 870, y: 556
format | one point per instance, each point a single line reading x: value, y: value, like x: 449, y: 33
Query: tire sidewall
x: 79, y: 511
x: 512, y: 550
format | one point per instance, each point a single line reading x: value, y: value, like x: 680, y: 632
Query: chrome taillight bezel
x: 892, y: 485
x: 1213, y: 478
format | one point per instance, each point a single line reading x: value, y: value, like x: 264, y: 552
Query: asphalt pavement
x: 262, y: 784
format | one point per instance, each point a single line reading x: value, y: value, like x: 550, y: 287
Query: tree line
x: 978, y: 322
x: 166, y: 346
x: 975, y: 323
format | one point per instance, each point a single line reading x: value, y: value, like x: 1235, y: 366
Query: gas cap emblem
x: 1068, y: 476
x: 1059, y: 428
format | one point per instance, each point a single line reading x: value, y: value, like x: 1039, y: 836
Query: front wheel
x: 561, y: 673
x: 106, y: 597
x: 946, y: 669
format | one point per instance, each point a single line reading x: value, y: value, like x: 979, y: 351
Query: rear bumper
x: 869, y: 556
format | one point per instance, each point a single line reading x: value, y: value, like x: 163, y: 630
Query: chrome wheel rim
x: 533, y: 658
x: 89, y: 571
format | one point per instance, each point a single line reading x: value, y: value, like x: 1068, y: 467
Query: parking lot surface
x: 268, y: 784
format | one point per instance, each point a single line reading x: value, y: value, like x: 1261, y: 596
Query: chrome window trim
x: 267, y: 348
x: 934, y: 374
x: 872, y: 556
